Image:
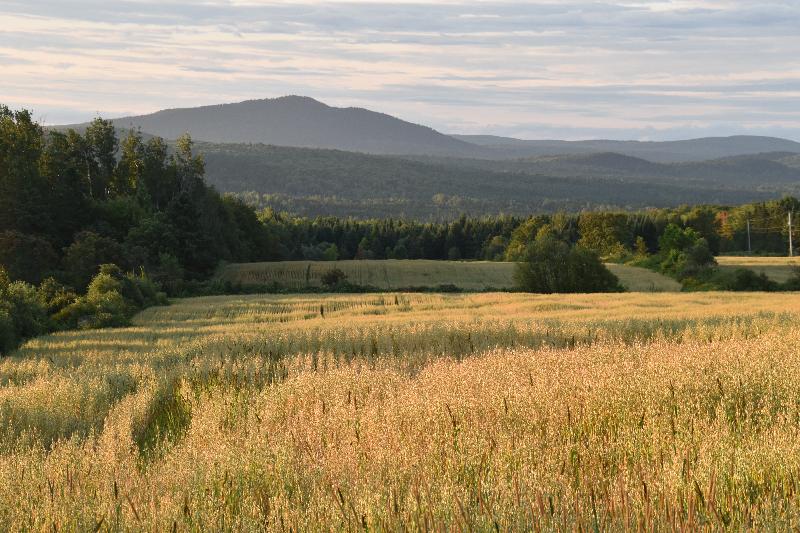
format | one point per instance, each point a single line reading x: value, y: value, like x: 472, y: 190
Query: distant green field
x: 776, y: 268
x: 392, y: 274
x: 637, y: 279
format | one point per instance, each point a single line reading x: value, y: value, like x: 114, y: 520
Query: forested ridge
x: 313, y: 182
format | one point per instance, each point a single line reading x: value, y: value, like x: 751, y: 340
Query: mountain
x: 660, y: 152
x: 302, y: 122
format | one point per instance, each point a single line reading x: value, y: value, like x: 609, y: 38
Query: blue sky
x: 569, y: 69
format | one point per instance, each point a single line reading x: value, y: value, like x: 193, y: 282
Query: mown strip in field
x: 392, y: 274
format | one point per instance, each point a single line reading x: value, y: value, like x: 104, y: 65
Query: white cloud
x: 583, y: 68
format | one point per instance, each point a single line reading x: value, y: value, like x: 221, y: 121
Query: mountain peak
x: 300, y: 121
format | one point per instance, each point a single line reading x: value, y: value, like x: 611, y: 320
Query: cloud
x: 582, y: 68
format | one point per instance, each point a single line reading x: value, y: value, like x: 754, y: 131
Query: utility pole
x: 791, y: 250
x: 749, y: 250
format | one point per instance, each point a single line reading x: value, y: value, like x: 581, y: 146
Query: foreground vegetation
x: 482, y: 411
x: 111, y: 299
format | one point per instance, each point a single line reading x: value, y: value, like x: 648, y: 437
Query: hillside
x: 312, y: 182
x: 774, y: 169
x: 301, y: 122
x: 660, y: 152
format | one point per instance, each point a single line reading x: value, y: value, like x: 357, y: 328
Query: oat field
x: 394, y: 274
x: 466, y: 412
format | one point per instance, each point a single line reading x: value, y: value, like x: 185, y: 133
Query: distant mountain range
x: 660, y: 152
x: 314, y: 159
x: 332, y: 182
x: 300, y: 121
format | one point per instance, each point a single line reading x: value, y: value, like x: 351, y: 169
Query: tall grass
x: 463, y: 412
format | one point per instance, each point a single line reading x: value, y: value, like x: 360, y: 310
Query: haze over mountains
x: 660, y: 152
x: 300, y: 121
x: 312, y: 159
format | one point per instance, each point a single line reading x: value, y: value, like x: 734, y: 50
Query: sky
x: 573, y: 69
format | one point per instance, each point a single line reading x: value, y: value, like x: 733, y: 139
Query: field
x: 394, y: 274
x: 776, y: 268
x: 411, y: 411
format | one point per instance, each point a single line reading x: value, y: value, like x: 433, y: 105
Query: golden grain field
x: 470, y: 412
x: 394, y: 274
x: 778, y: 269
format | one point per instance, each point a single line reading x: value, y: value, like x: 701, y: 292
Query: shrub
x: 8, y: 338
x: 55, y: 296
x: 333, y: 278
x: 169, y: 274
x: 77, y: 315
x: 22, y: 315
x: 110, y: 310
x: 552, y: 266
x: 26, y: 257
x: 87, y: 253
x: 695, y: 261
x: 744, y: 279
x: 111, y: 300
x: 27, y: 313
x: 675, y: 238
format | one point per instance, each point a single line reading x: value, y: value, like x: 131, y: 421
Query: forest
x: 313, y: 182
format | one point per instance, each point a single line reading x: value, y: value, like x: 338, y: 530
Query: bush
x: 169, y: 274
x: 551, y: 265
x: 8, y: 339
x: 333, y: 278
x: 675, y: 238
x: 87, y: 253
x: 695, y: 261
x: 112, y: 298
x: 744, y: 279
x: 55, y: 296
x: 26, y: 257
x: 22, y: 315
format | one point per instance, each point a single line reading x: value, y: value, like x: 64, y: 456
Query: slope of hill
x: 660, y: 152
x: 769, y: 170
x: 313, y: 181
x: 302, y: 122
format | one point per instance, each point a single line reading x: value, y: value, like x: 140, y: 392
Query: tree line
x: 498, y: 238
x: 72, y: 201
